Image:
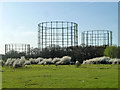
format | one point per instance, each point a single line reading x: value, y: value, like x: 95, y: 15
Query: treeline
x: 77, y: 53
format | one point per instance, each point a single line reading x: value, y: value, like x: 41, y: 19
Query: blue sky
x: 19, y: 20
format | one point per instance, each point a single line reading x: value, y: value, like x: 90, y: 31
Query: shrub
x: 77, y: 64
x: 98, y: 60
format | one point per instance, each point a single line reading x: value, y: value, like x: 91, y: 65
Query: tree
x: 12, y: 54
x: 119, y: 52
x: 111, y: 51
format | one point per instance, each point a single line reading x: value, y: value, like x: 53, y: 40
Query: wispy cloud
x: 59, y: 0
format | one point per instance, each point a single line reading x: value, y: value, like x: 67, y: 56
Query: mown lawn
x: 62, y: 76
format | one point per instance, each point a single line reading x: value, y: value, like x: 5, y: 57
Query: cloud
x: 59, y: 0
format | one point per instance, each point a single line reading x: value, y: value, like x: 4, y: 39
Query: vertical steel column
x: 82, y: 38
x: 46, y: 35
x: 71, y: 36
x: 53, y: 36
x: 62, y: 35
x: 5, y: 48
x: 39, y: 36
x: 92, y: 37
x: 67, y: 34
x: 25, y: 48
x: 12, y: 46
x: 22, y: 47
x: 108, y: 38
x: 87, y: 38
x: 28, y: 49
x: 9, y: 47
x: 42, y: 36
x: 76, y: 34
x: 51, y: 33
x: 111, y: 38
x: 57, y: 32
x: 97, y: 38
x: 104, y: 38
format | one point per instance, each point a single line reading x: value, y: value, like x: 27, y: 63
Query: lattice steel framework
x: 57, y: 33
x: 18, y: 47
x: 97, y: 38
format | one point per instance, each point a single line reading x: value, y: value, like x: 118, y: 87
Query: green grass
x: 62, y: 76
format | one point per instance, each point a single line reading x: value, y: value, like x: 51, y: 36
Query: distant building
x: 17, y: 47
x: 57, y: 33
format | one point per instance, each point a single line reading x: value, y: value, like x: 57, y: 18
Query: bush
x: 77, y: 64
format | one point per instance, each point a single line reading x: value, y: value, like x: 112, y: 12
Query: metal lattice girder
x: 17, y: 47
x: 57, y: 33
x: 97, y: 38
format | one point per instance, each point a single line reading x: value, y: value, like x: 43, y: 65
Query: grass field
x: 62, y: 76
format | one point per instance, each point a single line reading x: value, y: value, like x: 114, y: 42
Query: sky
x: 19, y: 20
